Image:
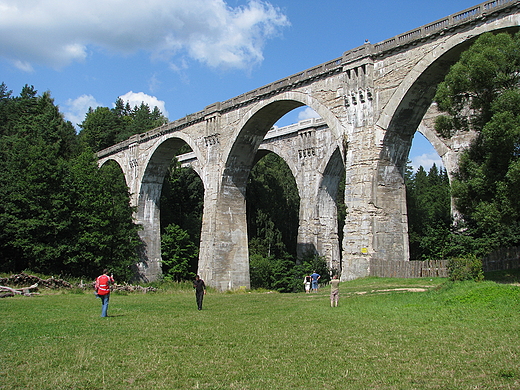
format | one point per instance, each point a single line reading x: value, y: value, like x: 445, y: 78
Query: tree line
x: 62, y: 214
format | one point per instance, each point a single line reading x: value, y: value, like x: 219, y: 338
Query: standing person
x: 200, y: 290
x: 334, y: 291
x: 307, y: 282
x: 103, y: 290
x: 314, y: 279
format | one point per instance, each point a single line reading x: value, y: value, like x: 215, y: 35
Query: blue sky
x: 184, y: 55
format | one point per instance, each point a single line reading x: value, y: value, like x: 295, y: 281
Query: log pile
x: 132, y: 288
x: 11, y: 292
x: 119, y: 287
x: 23, y: 279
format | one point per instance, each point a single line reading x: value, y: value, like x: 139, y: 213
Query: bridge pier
x: 224, y: 255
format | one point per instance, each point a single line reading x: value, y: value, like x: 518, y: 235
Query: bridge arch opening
x: 171, y: 199
x: 413, y: 112
x: 273, y: 203
x: 182, y: 201
x: 306, y: 155
x: 322, y: 215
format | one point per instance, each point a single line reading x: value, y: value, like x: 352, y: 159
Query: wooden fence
x: 409, y: 269
x: 501, y: 259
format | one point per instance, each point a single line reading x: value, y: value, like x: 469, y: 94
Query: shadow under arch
x: 242, y: 154
x: 329, y: 238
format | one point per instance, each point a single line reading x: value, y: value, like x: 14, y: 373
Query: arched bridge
x: 372, y: 99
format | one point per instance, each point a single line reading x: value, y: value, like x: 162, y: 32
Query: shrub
x: 465, y: 268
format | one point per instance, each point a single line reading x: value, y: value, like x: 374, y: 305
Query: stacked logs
x: 120, y: 287
x: 132, y: 288
x: 22, y: 279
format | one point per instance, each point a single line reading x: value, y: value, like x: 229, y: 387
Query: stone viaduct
x: 371, y: 100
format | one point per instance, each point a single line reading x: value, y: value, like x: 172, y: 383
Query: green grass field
x: 452, y: 336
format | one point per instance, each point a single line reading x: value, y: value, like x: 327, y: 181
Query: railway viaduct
x: 372, y: 100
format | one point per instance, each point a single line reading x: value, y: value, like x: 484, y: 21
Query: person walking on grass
x: 334, y: 291
x: 200, y: 290
x: 102, y: 287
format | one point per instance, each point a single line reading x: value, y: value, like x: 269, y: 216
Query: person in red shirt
x: 103, y: 290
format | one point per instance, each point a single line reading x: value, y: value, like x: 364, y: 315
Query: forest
x: 63, y: 215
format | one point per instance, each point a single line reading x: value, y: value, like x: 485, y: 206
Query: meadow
x: 385, y: 334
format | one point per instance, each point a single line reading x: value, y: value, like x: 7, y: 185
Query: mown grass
x: 452, y: 336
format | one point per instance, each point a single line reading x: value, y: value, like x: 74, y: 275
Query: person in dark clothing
x: 200, y: 290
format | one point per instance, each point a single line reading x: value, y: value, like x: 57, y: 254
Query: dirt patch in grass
x: 390, y: 290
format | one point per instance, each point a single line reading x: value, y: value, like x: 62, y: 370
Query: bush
x: 465, y: 268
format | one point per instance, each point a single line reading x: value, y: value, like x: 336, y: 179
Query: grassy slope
x: 454, y: 336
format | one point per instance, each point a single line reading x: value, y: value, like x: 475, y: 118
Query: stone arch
x: 118, y: 162
x: 318, y: 182
x: 155, y: 167
x: 111, y: 158
x: 262, y: 116
x: 163, y: 151
x: 227, y: 245
x: 328, y: 242
x: 265, y: 150
x: 412, y: 99
x: 441, y: 58
x: 400, y: 119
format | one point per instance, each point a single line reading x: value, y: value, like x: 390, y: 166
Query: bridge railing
x: 280, y: 85
x: 466, y: 16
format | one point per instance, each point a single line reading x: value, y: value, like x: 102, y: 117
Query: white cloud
x: 307, y: 113
x: 24, y: 66
x: 76, y: 109
x: 426, y: 160
x: 136, y: 98
x: 58, y: 32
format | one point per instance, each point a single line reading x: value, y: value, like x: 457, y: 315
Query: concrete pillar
x: 224, y: 257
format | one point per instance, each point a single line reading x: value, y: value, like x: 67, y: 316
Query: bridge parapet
x: 441, y: 26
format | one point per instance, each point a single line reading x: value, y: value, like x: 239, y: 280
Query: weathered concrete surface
x: 373, y: 99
